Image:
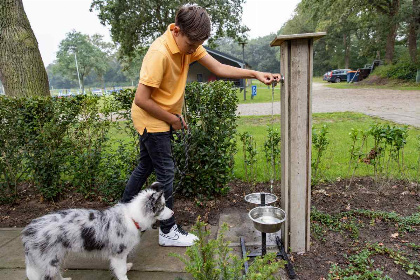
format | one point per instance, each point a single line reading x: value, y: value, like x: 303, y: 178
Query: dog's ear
x: 154, y: 200
x: 157, y: 186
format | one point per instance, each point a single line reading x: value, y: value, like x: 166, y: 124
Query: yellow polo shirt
x: 165, y: 69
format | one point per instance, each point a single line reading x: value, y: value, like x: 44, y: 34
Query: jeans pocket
x: 144, y: 136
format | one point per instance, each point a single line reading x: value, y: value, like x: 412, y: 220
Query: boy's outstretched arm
x: 227, y: 71
x: 143, y: 100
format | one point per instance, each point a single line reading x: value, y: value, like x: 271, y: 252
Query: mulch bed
x: 332, y: 198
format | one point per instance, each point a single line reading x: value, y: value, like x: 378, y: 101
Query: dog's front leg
x: 119, y: 266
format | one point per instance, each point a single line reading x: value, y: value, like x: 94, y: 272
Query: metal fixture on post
x: 296, y: 64
x: 243, y: 43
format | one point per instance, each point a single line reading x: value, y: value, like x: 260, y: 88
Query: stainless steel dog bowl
x: 255, y: 198
x: 267, y: 219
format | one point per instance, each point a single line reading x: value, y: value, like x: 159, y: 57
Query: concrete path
x: 399, y: 106
x: 150, y: 261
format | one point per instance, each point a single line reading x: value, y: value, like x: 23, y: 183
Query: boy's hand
x: 178, y: 123
x: 267, y: 78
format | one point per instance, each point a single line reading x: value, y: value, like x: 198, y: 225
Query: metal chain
x: 183, y: 136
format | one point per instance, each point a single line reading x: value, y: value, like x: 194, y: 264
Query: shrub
x: 403, y: 70
x: 34, y: 138
x: 211, y: 140
x: 210, y: 259
x: 89, y: 137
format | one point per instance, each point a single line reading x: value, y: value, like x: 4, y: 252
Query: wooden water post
x: 296, y: 64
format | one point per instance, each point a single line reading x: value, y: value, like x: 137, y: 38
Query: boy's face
x: 185, y: 45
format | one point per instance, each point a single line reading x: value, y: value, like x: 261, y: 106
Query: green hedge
x: 211, y: 142
x: 77, y: 142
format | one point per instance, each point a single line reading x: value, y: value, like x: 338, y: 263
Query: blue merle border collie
x: 110, y: 233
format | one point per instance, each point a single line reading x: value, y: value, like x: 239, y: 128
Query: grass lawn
x: 335, y: 164
x: 264, y: 94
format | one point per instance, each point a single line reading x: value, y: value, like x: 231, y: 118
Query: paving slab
x: 19, y: 274
x: 12, y: 253
x: 240, y: 224
x: 8, y: 234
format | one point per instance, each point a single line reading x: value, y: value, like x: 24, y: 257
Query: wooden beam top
x: 281, y: 38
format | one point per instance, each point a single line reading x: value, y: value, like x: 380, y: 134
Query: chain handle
x: 184, y: 137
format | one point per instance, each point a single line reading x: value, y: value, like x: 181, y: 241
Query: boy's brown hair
x: 194, y: 22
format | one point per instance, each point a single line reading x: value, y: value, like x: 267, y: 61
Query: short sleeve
x: 153, y: 68
x: 199, y: 53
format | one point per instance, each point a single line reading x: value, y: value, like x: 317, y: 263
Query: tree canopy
x: 91, y: 54
x: 358, y: 31
x: 136, y: 23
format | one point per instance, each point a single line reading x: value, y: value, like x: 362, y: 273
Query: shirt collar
x: 171, y: 40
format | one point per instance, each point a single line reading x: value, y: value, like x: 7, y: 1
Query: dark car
x: 338, y: 75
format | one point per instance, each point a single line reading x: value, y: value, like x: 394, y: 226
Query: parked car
x: 338, y: 75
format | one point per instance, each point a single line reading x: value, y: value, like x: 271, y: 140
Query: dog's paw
x: 129, y: 266
x: 66, y: 278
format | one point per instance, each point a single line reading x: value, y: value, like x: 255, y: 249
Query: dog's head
x: 156, y: 205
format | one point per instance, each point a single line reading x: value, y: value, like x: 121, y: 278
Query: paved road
x: 399, y: 106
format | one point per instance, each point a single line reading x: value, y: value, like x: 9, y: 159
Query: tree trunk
x: 412, y: 31
x: 346, y: 40
x: 393, y: 26
x: 22, y: 71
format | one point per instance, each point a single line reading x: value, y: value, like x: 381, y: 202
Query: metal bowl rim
x: 272, y: 207
x: 259, y: 193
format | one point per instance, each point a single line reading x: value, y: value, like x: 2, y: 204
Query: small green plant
x: 320, y: 143
x: 410, y: 267
x: 350, y: 221
x: 250, y: 156
x: 356, y: 152
x: 389, y: 143
x: 211, y: 259
x: 360, y: 268
x: 272, y: 151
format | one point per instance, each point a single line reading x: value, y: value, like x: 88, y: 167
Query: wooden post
x: 296, y: 64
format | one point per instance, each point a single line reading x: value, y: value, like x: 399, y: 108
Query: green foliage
x: 361, y: 264
x: 250, y: 152
x: 360, y: 267
x: 33, y: 140
x: 272, y: 150
x: 389, y: 142
x: 356, y: 152
x: 350, y: 221
x: 137, y: 23
x: 403, y: 70
x: 357, y: 32
x: 90, y: 56
x: 89, y: 137
x: 257, y: 52
x: 211, y: 118
x: 320, y: 143
x: 211, y: 259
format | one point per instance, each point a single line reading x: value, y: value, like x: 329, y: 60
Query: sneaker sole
x: 175, y: 244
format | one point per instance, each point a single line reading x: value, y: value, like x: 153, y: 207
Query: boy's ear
x: 176, y: 30
x: 157, y: 186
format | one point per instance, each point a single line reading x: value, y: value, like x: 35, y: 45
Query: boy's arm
x: 227, y: 71
x: 143, y: 100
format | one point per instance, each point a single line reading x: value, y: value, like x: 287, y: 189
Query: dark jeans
x: 155, y: 154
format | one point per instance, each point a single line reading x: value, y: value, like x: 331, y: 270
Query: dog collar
x: 136, y: 224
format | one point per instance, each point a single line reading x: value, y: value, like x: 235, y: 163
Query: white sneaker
x: 176, y: 237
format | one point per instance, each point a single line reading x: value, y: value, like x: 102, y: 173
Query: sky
x: 51, y: 20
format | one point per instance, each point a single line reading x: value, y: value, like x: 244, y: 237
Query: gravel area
x: 399, y: 106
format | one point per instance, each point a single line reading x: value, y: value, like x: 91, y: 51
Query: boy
x: 159, y: 99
